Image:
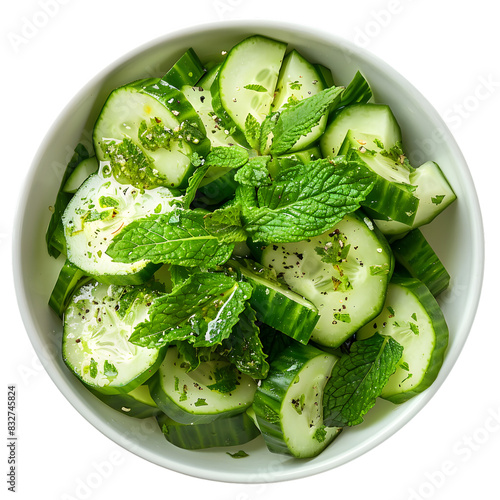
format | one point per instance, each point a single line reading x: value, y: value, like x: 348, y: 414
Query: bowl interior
x: 425, y: 137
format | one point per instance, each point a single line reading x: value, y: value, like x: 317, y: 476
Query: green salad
x: 243, y: 254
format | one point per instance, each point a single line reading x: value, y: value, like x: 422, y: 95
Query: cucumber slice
x: 149, y: 130
x: 70, y: 278
x: 96, y: 213
x: 289, y: 402
x: 186, y: 71
x: 325, y: 75
x: 136, y: 403
x: 374, y: 119
x: 415, y: 254
x: 231, y: 431
x: 347, y: 290
x: 97, y: 325
x: 305, y: 156
x: 411, y: 316
x: 297, y: 80
x: 392, y: 194
x: 275, y: 304
x: 206, y: 82
x: 434, y: 194
x: 246, y: 82
x: 82, y: 172
x: 186, y: 396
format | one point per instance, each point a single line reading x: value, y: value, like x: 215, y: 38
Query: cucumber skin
x: 415, y: 254
x: 269, y: 396
x: 298, y: 330
x: 69, y: 279
x: 230, y: 431
x: 439, y: 326
x: 186, y: 71
x: 119, y: 401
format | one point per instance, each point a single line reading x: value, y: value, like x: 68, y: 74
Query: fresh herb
x: 256, y: 87
x: 203, y: 310
x: 254, y: 172
x: 238, y: 454
x: 178, y: 237
x: 316, y: 199
x: 438, y: 199
x: 358, y: 378
x: 93, y: 368
x: 110, y: 369
x: 225, y: 379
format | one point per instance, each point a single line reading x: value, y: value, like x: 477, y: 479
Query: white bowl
x: 456, y: 235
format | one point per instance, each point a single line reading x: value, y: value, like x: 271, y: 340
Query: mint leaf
x: 238, y: 454
x: 110, y: 369
x: 178, y: 237
x: 244, y: 347
x: 358, y: 378
x: 93, y: 368
x: 266, y: 132
x: 252, y: 131
x: 225, y: 223
x: 225, y: 379
x: 256, y: 87
x: 194, y: 183
x: 254, y: 172
x: 298, y: 120
x: 319, y: 196
x: 226, y: 157
x: 438, y: 199
x: 203, y: 310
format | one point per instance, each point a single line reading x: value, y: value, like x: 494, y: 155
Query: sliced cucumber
x: 289, y: 402
x: 70, y: 278
x: 416, y: 255
x: 186, y: 71
x: 190, y: 397
x: 343, y: 272
x: 434, y: 194
x: 148, y: 131
x: 299, y: 79
x: 230, y: 431
x: 136, y: 403
x: 97, y: 325
x: 373, y: 119
x: 209, y: 77
x: 275, y: 304
x: 411, y: 316
x: 97, y: 212
x: 325, y: 75
x: 81, y: 173
x: 392, y: 194
x: 246, y: 81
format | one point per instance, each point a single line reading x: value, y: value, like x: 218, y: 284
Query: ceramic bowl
x: 456, y: 236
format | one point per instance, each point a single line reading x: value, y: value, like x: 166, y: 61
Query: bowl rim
x: 309, y: 468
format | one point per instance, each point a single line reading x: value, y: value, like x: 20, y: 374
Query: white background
x: 451, y: 448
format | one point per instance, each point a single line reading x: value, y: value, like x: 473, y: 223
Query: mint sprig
x: 178, y: 237
x: 358, y: 378
x: 310, y: 203
x: 202, y: 311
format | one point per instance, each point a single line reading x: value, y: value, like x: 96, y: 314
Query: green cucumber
x: 374, y: 119
x: 289, y: 402
x: 245, y: 83
x: 190, y: 397
x: 416, y: 255
x: 434, y: 194
x: 413, y: 318
x: 136, y: 403
x: 70, y: 278
x: 392, y: 194
x: 299, y: 79
x: 97, y: 325
x: 81, y: 173
x: 348, y: 290
x: 149, y: 131
x: 97, y: 212
x: 230, y: 431
x: 275, y: 304
x: 186, y: 71
x: 208, y: 78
